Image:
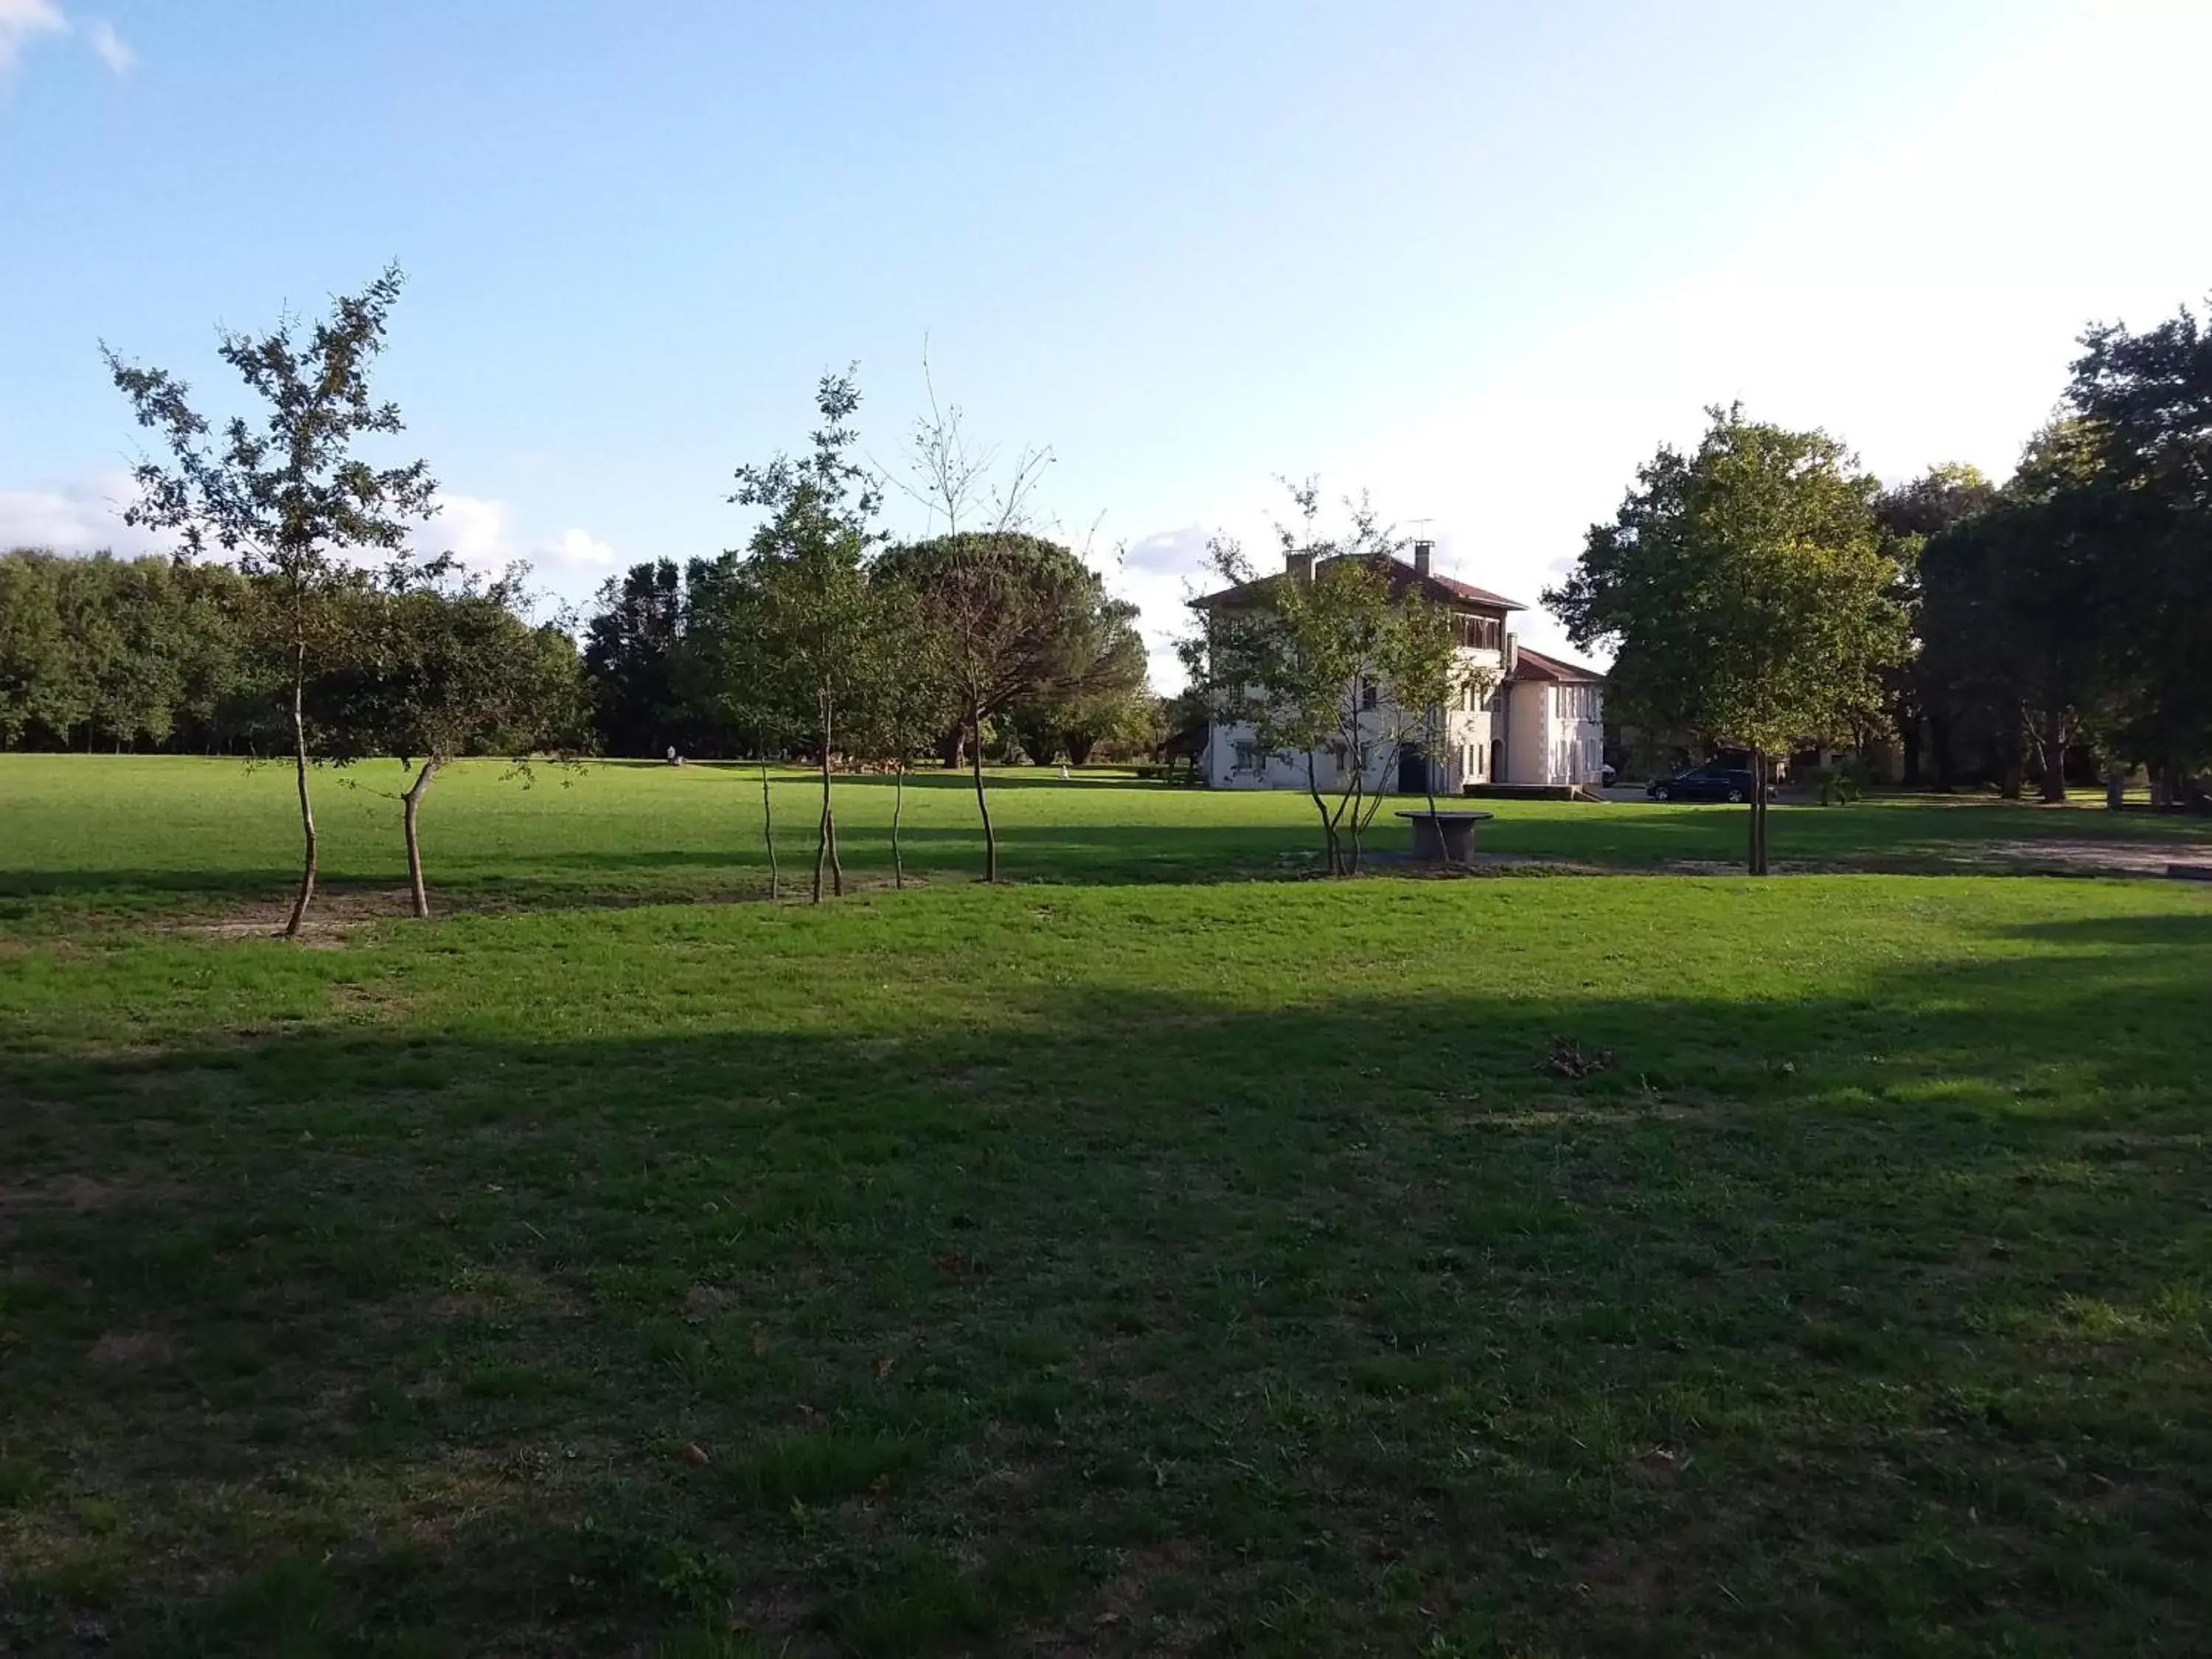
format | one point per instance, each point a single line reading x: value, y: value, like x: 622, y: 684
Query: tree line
x: 1764, y: 592
x: 297, y: 619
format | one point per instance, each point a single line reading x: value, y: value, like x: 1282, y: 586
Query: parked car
x: 1705, y: 783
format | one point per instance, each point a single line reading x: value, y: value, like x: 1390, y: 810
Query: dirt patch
x: 67, y: 1191
x: 132, y: 1348
x: 336, y: 914
x: 2098, y: 858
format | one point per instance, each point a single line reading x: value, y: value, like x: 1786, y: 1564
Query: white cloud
x: 22, y: 20
x: 1168, y: 552
x: 577, y: 552
x: 113, y: 51
x: 78, y: 515
x: 480, y: 533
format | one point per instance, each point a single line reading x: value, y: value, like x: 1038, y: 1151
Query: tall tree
x: 1927, y: 700
x: 632, y: 647
x: 2146, y: 402
x: 806, y: 574
x: 288, y: 496
x: 1747, y: 595
x: 40, y: 690
x: 2019, y: 605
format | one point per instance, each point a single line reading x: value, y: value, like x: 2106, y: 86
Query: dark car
x: 1704, y: 783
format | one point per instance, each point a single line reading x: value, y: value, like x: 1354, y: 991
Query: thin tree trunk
x: 2054, y: 756
x: 411, y: 808
x: 1429, y: 777
x: 2013, y: 760
x: 1764, y: 783
x: 1359, y: 795
x: 299, y: 769
x: 825, y: 847
x: 1320, y: 806
x: 768, y: 824
x: 982, y: 802
x: 1755, y: 853
x: 898, y: 812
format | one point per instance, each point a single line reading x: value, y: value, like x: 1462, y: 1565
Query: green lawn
x: 91, y: 835
x: 1121, y: 1262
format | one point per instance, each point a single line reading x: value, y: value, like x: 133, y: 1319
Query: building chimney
x: 1298, y: 567
x: 1512, y: 653
x: 1423, y: 552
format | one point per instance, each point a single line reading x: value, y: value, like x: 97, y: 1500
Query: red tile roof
x: 1441, y: 590
x: 1535, y: 665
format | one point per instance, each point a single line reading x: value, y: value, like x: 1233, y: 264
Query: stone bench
x: 1444, y: 837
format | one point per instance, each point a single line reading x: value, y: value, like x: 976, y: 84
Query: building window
x: 1247, y: 757
x: 1366, y: 693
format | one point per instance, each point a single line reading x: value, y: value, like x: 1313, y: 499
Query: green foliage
x: 1745, y: 589
x: 636, y: 667
x: 289, y: 498
x: 1019, y: 619
x: 1749, y: 594
x: 146, y: 654
x: 2145, y: 402
x: 439, y: 664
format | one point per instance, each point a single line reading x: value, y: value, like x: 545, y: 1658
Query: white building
x: 1542, y: 724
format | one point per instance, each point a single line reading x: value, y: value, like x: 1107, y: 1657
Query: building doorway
x: 1413, y: 769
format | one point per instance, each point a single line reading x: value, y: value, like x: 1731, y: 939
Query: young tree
x: 290, y: 496
x: 1335, y: 663
x: 910, y: 696
x: 723, y: 673
x: 440, y: 666
x: 1428, y: 675
x: 979, y: 580
x: 805, y: 574
x: 1747, y: 594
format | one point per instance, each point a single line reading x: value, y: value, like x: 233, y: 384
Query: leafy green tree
x: 2145, y: 402
x: 646, y: 699
x: 38, y: 688
x: 809, y: 604
x: 1926, y: 695
x: 1747, y: 595
x: 290, y: 497
x: 2020, y: 605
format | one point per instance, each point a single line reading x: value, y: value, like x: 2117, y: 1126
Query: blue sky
x: 1477, y: 258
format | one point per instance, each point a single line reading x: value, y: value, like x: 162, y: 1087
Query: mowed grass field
x: 89, y: 836
x: 1147, y: 1256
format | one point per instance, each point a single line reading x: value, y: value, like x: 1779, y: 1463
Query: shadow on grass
x: 1864, y: 1322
